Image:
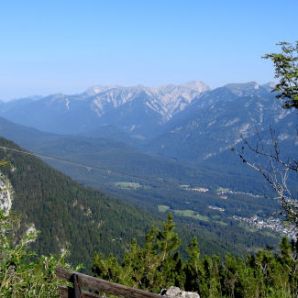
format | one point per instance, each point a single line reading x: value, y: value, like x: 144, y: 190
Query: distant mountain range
x: 186, y: 122
x: 207, y: 129
x: 159, y: 147
x: 138, y: 111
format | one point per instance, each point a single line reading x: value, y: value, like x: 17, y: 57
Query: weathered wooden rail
x: 85, y: 286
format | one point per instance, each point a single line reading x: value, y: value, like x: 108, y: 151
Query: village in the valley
x: 274, y: 224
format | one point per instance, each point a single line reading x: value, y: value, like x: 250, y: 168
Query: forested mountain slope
x: 83, y: 220
x: 68, y: 215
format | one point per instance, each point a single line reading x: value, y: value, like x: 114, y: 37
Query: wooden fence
x: 85, y: 286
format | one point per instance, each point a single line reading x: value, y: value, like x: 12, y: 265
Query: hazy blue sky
x: 67, y: 46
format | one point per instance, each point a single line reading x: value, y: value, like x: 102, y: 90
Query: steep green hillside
x: 71, y: 216
x: 67, y: 214
x: 151, y: 182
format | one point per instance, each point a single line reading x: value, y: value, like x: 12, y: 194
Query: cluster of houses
x: 274, y: 224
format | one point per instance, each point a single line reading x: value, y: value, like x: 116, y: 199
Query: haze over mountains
x: 188, y: 123
x: 172, y: 120
x: 165, y: 148
x: 135, y: 110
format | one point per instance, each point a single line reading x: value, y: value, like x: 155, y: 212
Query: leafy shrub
x: 22, y: 273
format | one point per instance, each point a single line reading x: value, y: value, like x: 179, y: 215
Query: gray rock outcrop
x: 174, y: 292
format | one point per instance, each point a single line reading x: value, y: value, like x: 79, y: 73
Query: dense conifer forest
x: 68, y: 215
x: 155, y: 265
x: 81, y: 220
x: 158, y: 264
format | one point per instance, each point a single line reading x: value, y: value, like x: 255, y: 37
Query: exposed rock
x: 177, y: 292
x: 5, y: 194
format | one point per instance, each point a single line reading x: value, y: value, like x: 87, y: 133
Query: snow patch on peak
x: 166, y: 100
x: 57, y: 97
x: 67, y: 103
x: 231, y: 122
x: 113, y: 98
x: 175, y: 98
x: 197, y: 85
x: 269, y: 86
x: 242, y: 89
x: 92, y: 91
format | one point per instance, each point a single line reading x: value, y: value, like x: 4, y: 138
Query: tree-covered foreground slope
x: 22, y: 273
x: 158, y: 264
x: 68, y: 215
x: 153, y: 266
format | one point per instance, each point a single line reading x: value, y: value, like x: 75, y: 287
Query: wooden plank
x: 63, y: 274
x: 64, y: 293
x: 101, y: 285
x: 113, y: 288
x: 88, y: 295
x: 76, y: 290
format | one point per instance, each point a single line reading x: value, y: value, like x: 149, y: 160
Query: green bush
x: 158, y: 264
x: 22, y: 273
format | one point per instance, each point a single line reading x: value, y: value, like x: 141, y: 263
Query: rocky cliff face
x: 6, y: 192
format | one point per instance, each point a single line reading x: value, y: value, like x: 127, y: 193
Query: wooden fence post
x: 75, y: 292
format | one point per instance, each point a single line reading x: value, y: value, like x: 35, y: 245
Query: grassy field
x: 128, y: 185
x: 222, y: 223
x: 191, y: 214
x: 163, y: 208
x: 183, y: 213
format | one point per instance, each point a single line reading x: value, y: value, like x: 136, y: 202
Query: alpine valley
x: 162, y: 149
